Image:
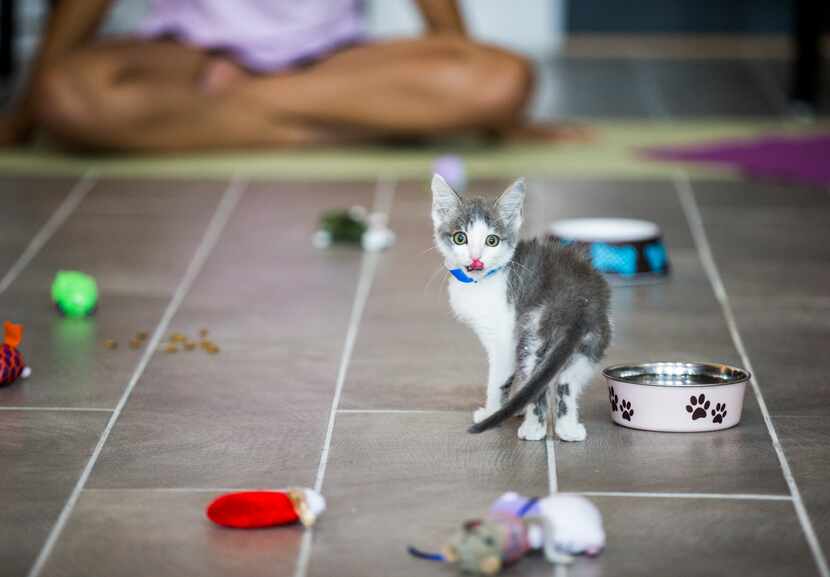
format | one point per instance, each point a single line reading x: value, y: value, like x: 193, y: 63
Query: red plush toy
x: 254, y: 509
x: 12, y: 365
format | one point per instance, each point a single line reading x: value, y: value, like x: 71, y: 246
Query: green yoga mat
x: 612, y: 154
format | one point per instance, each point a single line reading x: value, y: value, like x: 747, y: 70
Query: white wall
x: 534, y: 27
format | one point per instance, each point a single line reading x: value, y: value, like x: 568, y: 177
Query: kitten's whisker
x: 432, y: 278
x: 433, y: 247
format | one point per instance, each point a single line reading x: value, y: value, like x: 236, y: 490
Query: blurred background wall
x: 535, y: 27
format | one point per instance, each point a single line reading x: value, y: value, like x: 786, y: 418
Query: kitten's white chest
x: 484, y: 306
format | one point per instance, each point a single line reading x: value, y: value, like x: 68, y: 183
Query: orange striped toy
x: 12, y: 365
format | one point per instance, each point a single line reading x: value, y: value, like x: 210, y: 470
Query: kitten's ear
x: 444, y: 199
x: 510, y: 204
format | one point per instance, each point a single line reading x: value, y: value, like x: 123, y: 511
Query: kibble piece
x: 141, y: 336
x: 189, y: 345
x: 177, y: 338
x: 136, y: 344
x: 212, y: 349
x: 111, y: 344
x: 203, y: 333
x: 171, y: 348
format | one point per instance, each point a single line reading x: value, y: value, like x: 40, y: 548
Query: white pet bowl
x: 676, y: 397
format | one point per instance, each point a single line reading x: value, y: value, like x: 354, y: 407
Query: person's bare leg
x: 124, y: 99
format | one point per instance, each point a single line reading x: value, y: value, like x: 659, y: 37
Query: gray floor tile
x: 698, y: 537
x: 255, y: 414
x: 691, y: 88
x: 139, y: 533
x: 776, y: 74
x: 787, y: 345
x: 27, y: 205
x: 136, y: 239
x: 770, y: 244
x: 42, y: 454
x: 410, y: 479
x: 806, y: 442
x: 579, y: 88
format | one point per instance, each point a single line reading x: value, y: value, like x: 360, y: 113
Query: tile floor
x: 346, y: 372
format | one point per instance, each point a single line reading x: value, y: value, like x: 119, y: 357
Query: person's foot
x: 221, y: 74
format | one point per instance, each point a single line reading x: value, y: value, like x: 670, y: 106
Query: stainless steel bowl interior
x: 677, y: 374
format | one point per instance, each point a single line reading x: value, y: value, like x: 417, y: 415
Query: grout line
x: 559, y: 570
x: 61, y: 409
x: 220, y: 218
x: 633, y: 494
x: 70, y: 203
x: 188, y: 489
x: 383, y: 199
x: 550, y: 452
x: 647, y: 495
x: 398, y: 411
x: 686, y: 196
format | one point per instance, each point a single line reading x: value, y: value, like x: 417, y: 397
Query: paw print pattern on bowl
x: 698, y: 406
x: 612, y: 396
x: 626, y: 410
x: 719, y: 413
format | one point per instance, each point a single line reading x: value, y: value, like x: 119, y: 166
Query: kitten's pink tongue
x: 476, y: 265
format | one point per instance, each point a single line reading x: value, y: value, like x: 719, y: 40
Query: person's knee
x: 62, y: 105
x: 504, y: 87
x: 493, y: 85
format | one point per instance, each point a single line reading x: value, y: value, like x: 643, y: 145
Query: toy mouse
x: 560, y: 525
x: 12, y: 365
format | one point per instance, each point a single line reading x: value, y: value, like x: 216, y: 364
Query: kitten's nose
x: 476, y: 265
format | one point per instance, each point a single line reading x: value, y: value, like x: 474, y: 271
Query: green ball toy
x: 75, y: 294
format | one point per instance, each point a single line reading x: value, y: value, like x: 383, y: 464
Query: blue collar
x: 461, y: 276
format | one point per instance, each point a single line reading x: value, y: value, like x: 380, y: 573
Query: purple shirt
x: 263, y: 35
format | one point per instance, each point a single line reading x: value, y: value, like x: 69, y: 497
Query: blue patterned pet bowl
x: 626, y: 250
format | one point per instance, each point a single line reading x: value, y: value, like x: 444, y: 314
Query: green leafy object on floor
x: 342, y: 226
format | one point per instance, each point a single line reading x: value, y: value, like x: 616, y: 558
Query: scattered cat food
x: 175, y: 342
x: 209, y: 346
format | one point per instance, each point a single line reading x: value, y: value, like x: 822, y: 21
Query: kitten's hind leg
x: 571, y: 381
x: 535, y: 425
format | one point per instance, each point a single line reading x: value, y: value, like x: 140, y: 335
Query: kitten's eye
x: 492, y: 240
x: 459, y: 238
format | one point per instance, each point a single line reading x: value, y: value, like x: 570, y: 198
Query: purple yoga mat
x: 796, y: 159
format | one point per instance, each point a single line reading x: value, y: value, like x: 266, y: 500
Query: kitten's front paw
x: 532, y: 430
x: 480, y: 414
x: 571, y: 432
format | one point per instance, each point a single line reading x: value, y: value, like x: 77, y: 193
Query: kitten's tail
x: 544, y: 374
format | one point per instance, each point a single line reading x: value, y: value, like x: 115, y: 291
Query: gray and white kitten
x: 538, y: 306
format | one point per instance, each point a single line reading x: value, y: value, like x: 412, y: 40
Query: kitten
x: 539, y: 308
